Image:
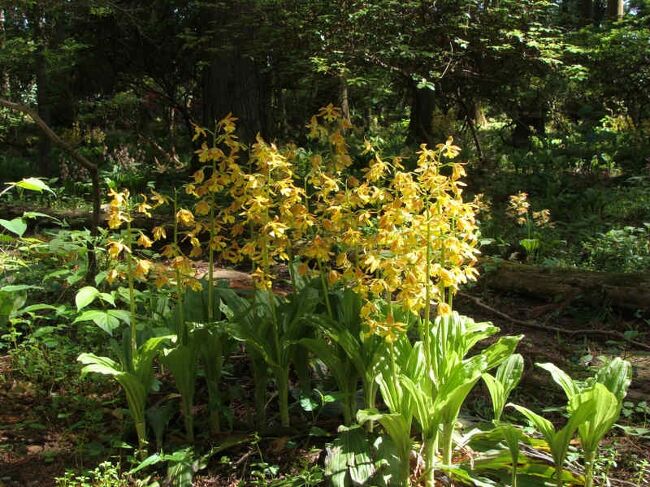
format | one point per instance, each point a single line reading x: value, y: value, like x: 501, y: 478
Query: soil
x: 36, y: 447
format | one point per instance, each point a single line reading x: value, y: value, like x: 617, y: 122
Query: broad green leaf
x: 147, y: 462
x: 497, y: 394
x: 395, y: 425
x: 33, y: 184
x: 99, y: 365
x: 606, y: 411
x: 509, y: 372
x: 561, y: 378
x: 506, y: 379
x: 16, y: 226
x: 103, y: 319
x: 18, y: 287
x: 350, y: 458
x: 616, y: 377
x: 85, y: 296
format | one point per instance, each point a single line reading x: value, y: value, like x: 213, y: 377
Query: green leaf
x: 348, y: 459
x: 616, y: 376
x: 147, y: 462
x: 85, y: 296
x: 17, y: 226
x: 500, y: 386
x: 562, y: 379
x: 18, y: 287
x: 606, y: 411
x: 33, y: 184
x: 103, y: 319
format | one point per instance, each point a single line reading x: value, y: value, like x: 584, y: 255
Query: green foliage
x: 501, y: 385
x: 619, y: 250
x: 106, y: 474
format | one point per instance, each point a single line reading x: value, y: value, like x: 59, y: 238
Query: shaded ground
x: 41, y: 436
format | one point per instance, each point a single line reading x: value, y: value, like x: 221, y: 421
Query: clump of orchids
x: 385, y: 232
x: 520, y: 210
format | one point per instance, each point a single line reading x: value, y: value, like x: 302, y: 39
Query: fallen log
x: 621, y: 290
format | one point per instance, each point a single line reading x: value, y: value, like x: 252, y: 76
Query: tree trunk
x: 628, y: 291
x: 43, y: 101
x: 586, y: 11
x: 615, y: 9
x: 480, y: 119
x: 233, y: 84
x: 423, y: 105
x: 344, y: 97
x: 4, y: 76
x: 527, y: 123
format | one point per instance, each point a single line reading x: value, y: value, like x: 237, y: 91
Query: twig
x: 622, y: 482
x: 539, y: 326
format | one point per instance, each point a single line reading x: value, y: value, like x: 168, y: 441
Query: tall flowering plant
x: 134, y: 371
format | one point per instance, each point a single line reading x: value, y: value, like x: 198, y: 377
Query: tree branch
x: 19, y: 107
x: 538, y: 326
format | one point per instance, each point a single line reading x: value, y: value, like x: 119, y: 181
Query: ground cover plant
x: 372, y: 260
x: 324, y: 243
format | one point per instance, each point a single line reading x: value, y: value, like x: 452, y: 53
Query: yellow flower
x: 443, y: 309
x: 112, y: 276
x: 144, y: 241
x: 168, y: 251
x: 519, y: 204
x: 114, y: 249
x: 372, y: 262
x: 542, y: 218
x: 199, y: 176
x: 115, y: 219
x: 159, y: 233
x: 329, y: 113
x: 158, y: 199
x: 262, y: 280
x: 448, y: 149
x: 318, y: 249
x: 185, y: 217
x: 198, y: 132
x: 458, y: 171
x: 144, y: 207
x: 142, y: 268
x: 202, y: 208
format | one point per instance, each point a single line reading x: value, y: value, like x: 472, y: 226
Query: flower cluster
x: 394, y: 235
x: 519, y: 208
x: 391, y: 234
x: 120, y: 211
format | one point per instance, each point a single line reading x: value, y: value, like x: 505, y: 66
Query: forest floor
x: 41, y: 435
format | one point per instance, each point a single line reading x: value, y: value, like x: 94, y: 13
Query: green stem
x: 182, y: 338
x: 132, y: 310
x: 211, y: 256
x: 427, y: 308
x: 370, y: 394
x: 141, y: 431
x: 513, y: 480
x: 282, y: 378
x: 447, y: 442
x: 261, y: 379
x: 326, y: 295
x: 188, y: 419
x: 558, y: 475
x: 430, y: 447
x: 590, y: 456
x: 349, y: 390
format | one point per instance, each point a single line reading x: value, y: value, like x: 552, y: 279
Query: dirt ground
x: 36, y: 447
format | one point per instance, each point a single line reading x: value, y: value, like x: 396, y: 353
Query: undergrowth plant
x: 357, y: 266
